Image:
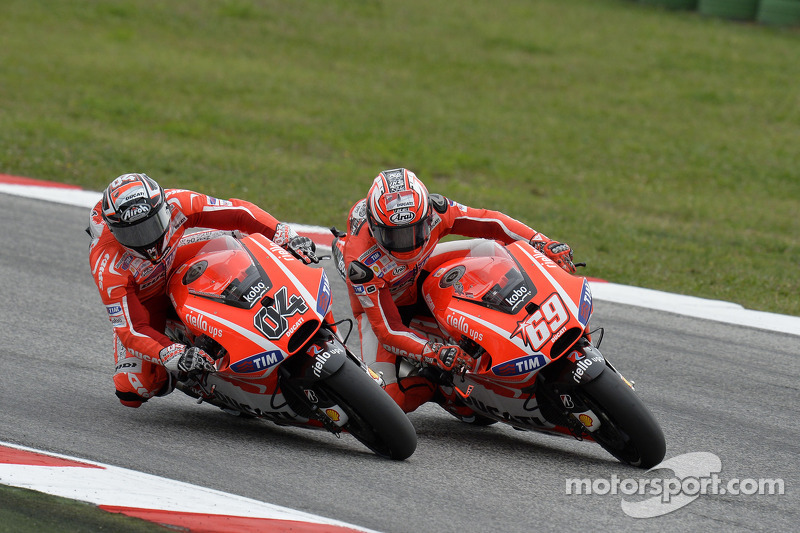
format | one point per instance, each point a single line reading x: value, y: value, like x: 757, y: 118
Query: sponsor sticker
x: 117, y: 316
x: 585, y: 310
x: 255, y: 292
x: 399, y: 200
x: 372, y: 258
x: 461, y: 207
x: 518, y: 296
x: 258, y: 362
x: 460, y: 323
x: 324, y: 295
x: 401, y: 217
x: 575, y: 356
x: 521, y: 365
x: 199, y: 321
x: 131, y: 196
x: 135, y: 212
x: 217, y: 201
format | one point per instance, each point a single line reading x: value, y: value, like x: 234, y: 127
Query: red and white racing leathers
x: 379, y: 285
x: 133, y: 289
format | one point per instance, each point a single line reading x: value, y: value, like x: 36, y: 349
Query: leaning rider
x: 393, y: 234
x: 136, y: 230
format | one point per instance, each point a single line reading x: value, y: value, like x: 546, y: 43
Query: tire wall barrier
x: 768, y: 12
x: 779, y: 12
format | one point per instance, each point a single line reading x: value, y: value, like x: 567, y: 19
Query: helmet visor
x: 404, y: 238
x: 144, y: 233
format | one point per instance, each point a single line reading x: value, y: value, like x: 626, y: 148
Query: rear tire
x: 628, y: 430
x: 375, y: 419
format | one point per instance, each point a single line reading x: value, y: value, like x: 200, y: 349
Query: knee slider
x: 130, y: 399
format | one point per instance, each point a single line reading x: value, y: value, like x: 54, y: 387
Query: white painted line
x: 106, y: 485
x: 717, y: 310
x: 76, y: 197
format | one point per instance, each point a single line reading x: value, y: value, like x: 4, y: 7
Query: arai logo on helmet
x: 401, y: 217
x: 135, y: 212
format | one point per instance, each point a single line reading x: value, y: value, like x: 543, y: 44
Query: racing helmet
x: 399, y: 213
x: 136, y: 212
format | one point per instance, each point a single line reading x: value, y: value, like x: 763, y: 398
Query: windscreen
x: 225, y: 271
x: 503, y: 286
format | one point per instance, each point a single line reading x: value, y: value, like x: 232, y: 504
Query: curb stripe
x: 24, y: 457
x: 210, y: 523
x: 191, y: 507
x: 19, y: 180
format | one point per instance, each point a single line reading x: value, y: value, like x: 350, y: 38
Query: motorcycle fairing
x: 518, y: 409
x: 493, y: 289
x: 224, y: 293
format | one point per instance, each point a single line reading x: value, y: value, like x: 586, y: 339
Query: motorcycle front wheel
x: 628, y: 430
x: 375, y: 419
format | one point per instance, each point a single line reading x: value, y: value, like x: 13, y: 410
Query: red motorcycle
x: 265, y: 317
x: 526, y: 322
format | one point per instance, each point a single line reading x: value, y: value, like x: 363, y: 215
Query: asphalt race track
x: 727, y: 390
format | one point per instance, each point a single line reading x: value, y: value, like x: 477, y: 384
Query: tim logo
x: 258, y: 362
x: 372, y: 258
x: 521, y: 365
x: 585, y: 309
x: 324, y: 295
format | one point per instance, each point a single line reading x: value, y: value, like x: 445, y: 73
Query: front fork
x: 560, y: 387
x: 325, y: 356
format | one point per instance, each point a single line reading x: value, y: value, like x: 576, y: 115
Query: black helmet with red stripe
x: 137, y: 213
x: 399, y: 213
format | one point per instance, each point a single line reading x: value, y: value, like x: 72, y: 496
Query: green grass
x: 24, y: 511
x: 663, y: 146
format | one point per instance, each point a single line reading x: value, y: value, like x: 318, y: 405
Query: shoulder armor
x: 358, y: 273
x: 358, y: 215
x: 439, y: 202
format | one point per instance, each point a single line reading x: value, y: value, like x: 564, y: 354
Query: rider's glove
x: 559, y: 252
x: 302, y: 248
x: 447, y: 356
x: 186, y: 360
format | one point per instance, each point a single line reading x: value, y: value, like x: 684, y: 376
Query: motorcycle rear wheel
x: 628, y: 430
x: 375, y: 419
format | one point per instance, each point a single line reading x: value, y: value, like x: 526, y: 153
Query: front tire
x: 374, y: 418
x: 628, y: 430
